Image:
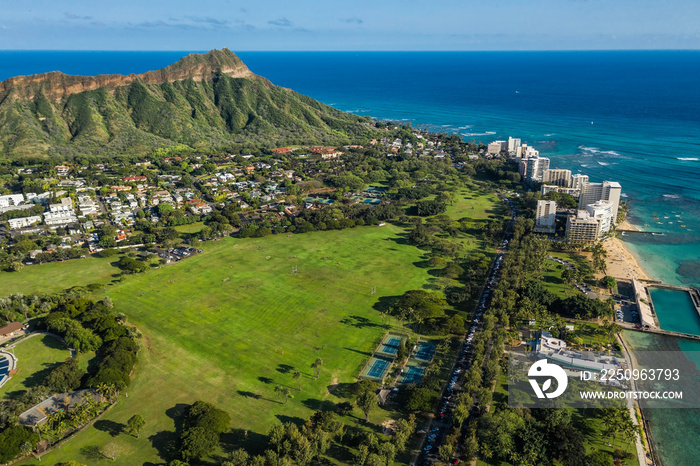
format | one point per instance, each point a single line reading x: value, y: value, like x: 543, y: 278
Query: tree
x: 303, y: 451
x: 279, y: 389
x: 26, y: 448
x: 608, y: 282
x: 599, y: 458
x: 297, y: 377
x: 66, y: 377
x: 135, y: 424
x: 366, y: 401
x: 239, y: 457
x: 445, y: 452
x: 599, y: 254
x: 196, y: 442
x: 316, y: 366
x: 423, y: 304
x: 203, y: 426
x: 287, y: 393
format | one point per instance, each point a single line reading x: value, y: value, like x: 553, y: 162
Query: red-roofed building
x: 321, y: 150
x: 281, y: 150
x: 135, y: 178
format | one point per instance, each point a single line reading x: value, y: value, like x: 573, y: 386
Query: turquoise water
x: 630, y: 117
x: 675, y: 310
x: 627, y: 116
x: 674, y: 430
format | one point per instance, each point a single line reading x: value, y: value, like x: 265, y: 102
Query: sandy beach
x: 621, y: 263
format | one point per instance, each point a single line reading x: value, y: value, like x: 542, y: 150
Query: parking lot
x: 177, y: 254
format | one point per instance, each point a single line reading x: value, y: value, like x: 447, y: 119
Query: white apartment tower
x: 577, y: 180
x: 605, y: 191
x: 582, y: 228
x: 513, y: 146
x: 545, y: 221
x: 495, y: 147
x: 601, y: 210
x: 558, y: 177
x: 533, y: 169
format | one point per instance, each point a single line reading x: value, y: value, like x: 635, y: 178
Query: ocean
x: 626, y: 116
x: 632, y: 117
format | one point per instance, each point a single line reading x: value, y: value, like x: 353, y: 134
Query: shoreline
x: 622, y: 264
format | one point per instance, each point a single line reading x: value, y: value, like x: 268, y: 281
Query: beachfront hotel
x: 582, y: 228
x: 605, y: 191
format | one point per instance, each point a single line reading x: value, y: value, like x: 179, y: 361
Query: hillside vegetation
x: 208, y: 102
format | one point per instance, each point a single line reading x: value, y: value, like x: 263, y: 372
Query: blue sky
x: 349, y: 25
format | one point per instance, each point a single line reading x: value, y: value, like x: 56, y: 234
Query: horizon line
x: 359, y: 51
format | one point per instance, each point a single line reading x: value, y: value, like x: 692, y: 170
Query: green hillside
x: 209, y: 101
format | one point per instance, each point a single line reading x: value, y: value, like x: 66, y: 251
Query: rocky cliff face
x: 57, y: 86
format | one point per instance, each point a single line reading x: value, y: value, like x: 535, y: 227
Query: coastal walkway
x: 640, y: 232
x: 658, y: 331
x: 643, y: 458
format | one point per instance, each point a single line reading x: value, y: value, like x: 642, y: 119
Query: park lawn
x: 591, y: 333
x: 228, y: 325
x: 552, y: 281
x: 189, y: 229
x: 576, y: 258
x: 475, y: 204
x: 56, y: 276
x: 595, y: 440
x: 36, y: 357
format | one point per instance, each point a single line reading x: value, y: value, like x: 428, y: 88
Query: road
x: 439, y: 427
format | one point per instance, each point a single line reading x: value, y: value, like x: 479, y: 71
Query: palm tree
x: 279, y: 389
x: 317, y: 366
x: 297, y: 377
x: 599, y: 255
x: 287, y: 393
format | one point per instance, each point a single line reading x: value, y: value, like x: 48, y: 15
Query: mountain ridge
x: 208, y: 101
x: 57, y: 85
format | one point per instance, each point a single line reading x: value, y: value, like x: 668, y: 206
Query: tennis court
x: 425, y: 351
x: 376, y: 368
x: 390, y: 345
x: 413, y: 374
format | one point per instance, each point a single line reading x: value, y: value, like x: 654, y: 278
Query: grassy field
x: 191, y: 228
x: 57, y: 276
x: 475, y: 204
x: 553, y: 282
x: 230, y: 324
x: 36, y: 357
